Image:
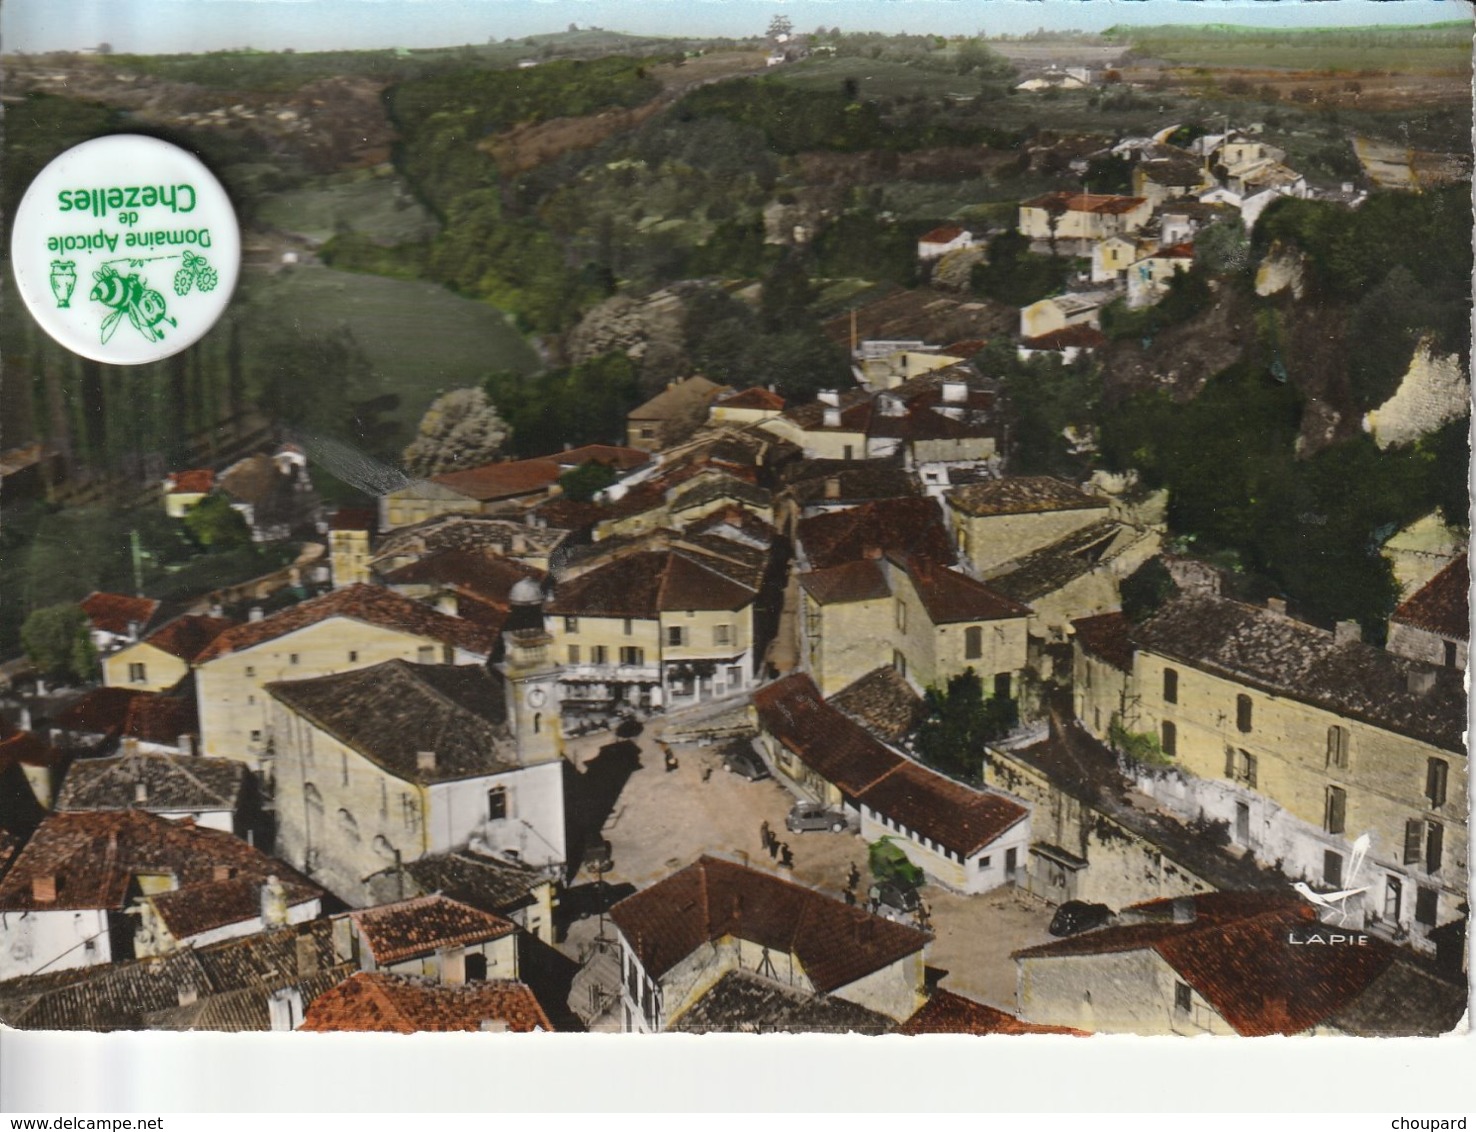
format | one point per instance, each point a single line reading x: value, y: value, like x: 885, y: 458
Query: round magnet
x: 126, y: 249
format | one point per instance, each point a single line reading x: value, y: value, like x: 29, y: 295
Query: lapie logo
x: 1315, y: 937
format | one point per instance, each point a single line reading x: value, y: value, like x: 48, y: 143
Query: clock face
x: 536, y: 696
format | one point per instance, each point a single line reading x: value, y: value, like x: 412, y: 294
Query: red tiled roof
x: 678, y: 400
x: 755, y: 398
x: 372, y: 605
x: 644, y: 585
x: 950, y: 596
x: 1106, y: 636
x: 1442, y: 605
x: 949, y: 1013
x: 158, y: 718
x: 26, y: 749
x: 99, y: 711
x: 1178, y: 251
x: 395, y: 932
x: 192, y: 481
x: 1021, y: 495
x: 966, y: 348
x: 611, y: 455
x: 382, y: 1003
x: 1099, y: 203
x: 353, y: 519
x: 193, y: 909
x: 482, y: 572
x: 94, y: 856
x: 1080, y: 336
x: 942, y: 235
x: 113, y: 613
x: 503, y: 480
x: 862, y: 580
x: 910, y: 524
x: 942, y: 810
x: 836, y: 944
x: 856, y: 408
x: 1235, y: 953
x: 837, y: 748
x: 187, y: 636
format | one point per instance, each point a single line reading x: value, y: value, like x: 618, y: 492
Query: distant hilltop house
x: 1078, y: 220
x: 940, y: 241
x: 1058, y: 78
x: 673, y: 414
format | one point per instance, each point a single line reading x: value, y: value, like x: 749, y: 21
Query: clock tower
x: 531, y: 677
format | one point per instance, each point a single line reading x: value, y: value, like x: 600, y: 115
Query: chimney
x: 519, y: 544
x: 256, y: 613
x: 130, y: 746
x: 425, y: 760
x: 446, y: 603
x: 216, y: 609
x: 1183, y: 909
x: 492, y: 1026
x: 221, y: 872
x: 955, y: 392
x: 1421, y: 681
x: 1277, y: 605
x: 306, y: 955
x: 832, y: 418
x: 25, y: 718
x: 284, y: 1008
x: 872, y: 552
x: 829, y: 397
x: 273, y: 904
x: 187, y: 994
x: 186, y: 745
x: 343, y: 940
x: 43, y: 888
x: 832, y: 487
x: 140, y: 793
x: 1347, y: 633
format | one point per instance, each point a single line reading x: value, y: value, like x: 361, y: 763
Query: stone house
x: 350, y: 532
x: 999, y: 521
x: 354, y: 627
x: 1148, y: 278
x: 673, y: 414
x: 182, y: 490
x: 432, y: 937
x: 1081, y: 219
x: 397, y: 1004
x: 940, y: 241
x: 497, y: 884
x: 212, y: 793
x: 383, y: 765
x: 1301, y: 740
x: 116, y: 620
x: 749, y: 406
x: 683, y: 934
x: 1061, y: 312
x: 1112, y: 257
x: 163, y: 658
x: 1434, y: 623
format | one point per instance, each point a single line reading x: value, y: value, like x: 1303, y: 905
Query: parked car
x: 745, y: 762
x: 805, y: 816
x: 1078, y: 916
x: 894, y: 900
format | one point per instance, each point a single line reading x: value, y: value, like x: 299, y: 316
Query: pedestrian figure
x: 854, y: 879
x: 671, y: 759
x: 765, y: 834
x: 706, y: 773
x: 773, y: 847
x: 786, y: 858
x: 850, y: 896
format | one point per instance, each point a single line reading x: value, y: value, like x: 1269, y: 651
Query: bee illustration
x: 127, y: 294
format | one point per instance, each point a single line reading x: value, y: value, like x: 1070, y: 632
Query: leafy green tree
x: 461, y: 429
x: 959, y: 721
x: 1014, y: 275
x: 786, y: 296
x: 581, y: 484
x: 57, y: 640
x: 1383, y: 330
x: 1109, y: 174
x: 1146, y: 589
x: 217, y: 526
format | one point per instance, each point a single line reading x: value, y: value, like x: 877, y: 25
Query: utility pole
x: 136, y: 551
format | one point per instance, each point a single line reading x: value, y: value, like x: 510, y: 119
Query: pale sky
x: 179, y: 26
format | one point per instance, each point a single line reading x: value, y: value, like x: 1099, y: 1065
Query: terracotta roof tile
x: 678, y: 400
x: 862, y: 580
x: 949, y: 1013
x: 836, y: 944
x: 492, y: 883
x: 744, y: 1003
x: 942, y: 234
x: 111, y: 712
x: 839, y: 482
x: 483, y: 572
x: 854, y: 413
x: 955, y: 816
x: 392, y: 711
x: 950, y: 596
x: 755, y: 398
x: 1080, y: 336
x: 883, y: 702
x: 353, y: 519
x: 187, y: 636
x: 170, y: 783
x: 373, y: 605
x: 1442, y: 605
x: 197, y: 908
x: 118, y: 613
x: 1101, y: 204
x: 191, y: 481
x: 611, y: 455
x: 835, y: 747
x: 26, y: 749
x: 505, y: 480
x: 1106, y: 637
x: 382, y: 1003
x: 1235, y: 953
x: 910, y: 524
x: 94, y: 856
x: 467, y: 532
x: 645, y: 584
x: 396, y: 932
x: 1021, y: 495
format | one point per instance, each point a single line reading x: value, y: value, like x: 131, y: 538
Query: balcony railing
x: 613, y: 673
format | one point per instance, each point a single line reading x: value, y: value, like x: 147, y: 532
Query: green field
x: 380, y: 207
x: 419, y: 339
x: 877, y: 78
x: 1425, y: 50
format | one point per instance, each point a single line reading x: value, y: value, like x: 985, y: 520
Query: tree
x: 780, y: 29
x: 959, y: 722
x: 1146, y: 589
x: 216, y: 525
x: 56, y: 639
x: 461, y: 429
x: 581, y: 484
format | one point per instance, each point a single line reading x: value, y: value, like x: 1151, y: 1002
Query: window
x: 1243, y: 713
x: 722, y: 634
x: 629, y: 626
x: 648, y: 432
x: 1393, y: 900
x: 409, y: 811
x: 1169, y: 738
x: 250, y: 671
x: 425, y: 654
x: 537, y: 722
x: 1332, y: 869
x: 1170, y: 686
x: 1335, y: 810
x: 1451, y: 655
x: 1002, y: 685
x: 497, y: 803
x: 1337, y: 747
x: 674, y: 634
x: 901, y: 616
x: 1240, y: 766
x: 573, y: 654
x: 599, y: 654
x: 251, y: 701
x: 847, y: 454
x: 632, y: 654
x: 1183, y: 997
x: 571, y: 624
x: 313, y: 797
x: 1414, y: 838
x: 1427, y: 906
x: 973, y: 642
x: 983, y: 863
x: 292, y: 658
x: 256, y: 736
x: 353, y: 656
x: 343, y: 767
x: 383, y: 799
x: 348, y: 825
x: 137, y: 673
x: 1434, y: 846
x: 1436, y: 771
x: 899, y: 662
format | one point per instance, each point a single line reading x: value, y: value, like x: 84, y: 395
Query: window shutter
x: 1435, y: 776
x: 1229, y: 762
x: 1414, y: 832
x: 1250, y: 770
x: 1434, y: 845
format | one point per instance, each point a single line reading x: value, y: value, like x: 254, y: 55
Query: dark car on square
x: 1078, y: 916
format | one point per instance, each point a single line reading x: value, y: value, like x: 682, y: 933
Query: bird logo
x: 1338, y: 901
